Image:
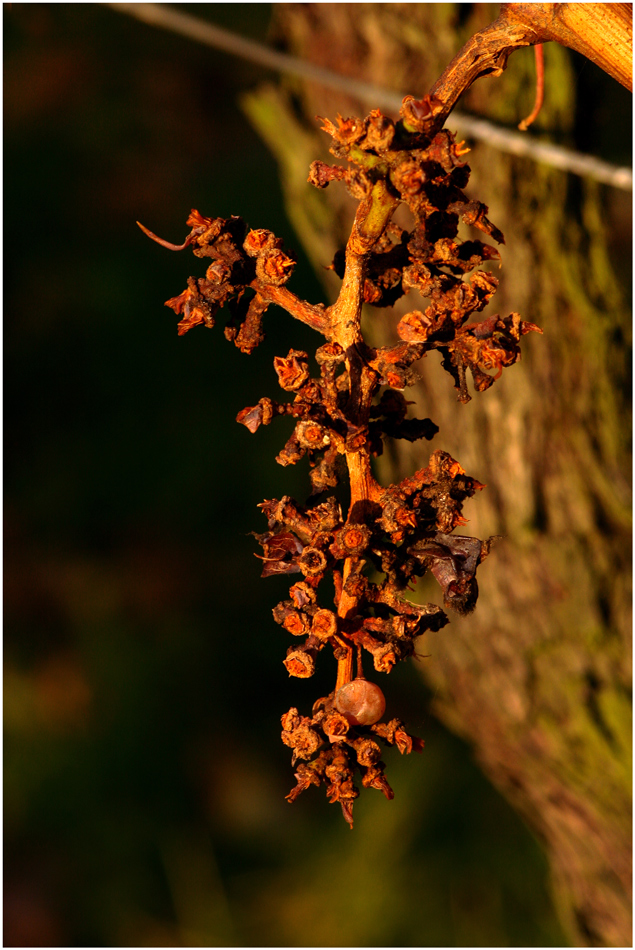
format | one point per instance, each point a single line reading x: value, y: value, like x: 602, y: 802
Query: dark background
x: 144, y: 776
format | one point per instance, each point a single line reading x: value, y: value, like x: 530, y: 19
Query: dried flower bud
x: 445, y: 151
x: 414, y: 327
x: 312, y: 435
x: 207, y: 228
x: 371, y: 293
x: 374, y: 777
x: 218, y: 272
x: 321, y: 174
x: 298, y: 735
x: 474, y: 213
x: 358, y: 183
x: 290, y: 719
x: 380, y: 132
x: 312, y: 562
x: 361, y: 701
x: 346, y: 132
x: 302, y: 594
x: 408, y: 177
x: 274, y: 267
x: 484, y: 286
x: 419, y: 114
x: 367, y: 751
x: 356, y: 585
x: 384, y: 657
x: 351, y: 540
x: 341, y: 788
x: 329, y: 353
x: 300, y: 663
x: 291, y: 619
x: 324, y: 624
x: 291, y: 453
x: 407, y: 743
x: 194, y: 308
x: 326, y: 516
x: 324, y: 475
x: 292, y: 370
x: 418, y: 277
x: 396, y: 514
x: 393, y: 733
x: 301, y: 620
x: 309, y: 773
x: 335, y: 726
x: 258, y: 241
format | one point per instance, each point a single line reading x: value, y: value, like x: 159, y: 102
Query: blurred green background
x: 144, y: 775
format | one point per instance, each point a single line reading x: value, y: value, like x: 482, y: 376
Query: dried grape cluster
x: 388, y: 536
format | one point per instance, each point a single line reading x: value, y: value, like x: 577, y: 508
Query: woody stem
x: 364, y: 488
x: 345, y: 315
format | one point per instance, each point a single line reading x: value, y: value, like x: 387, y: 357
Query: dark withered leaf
x: 261, y: 414
x: 453, y: 560
x: 281, y: 553
x: 412, y: 429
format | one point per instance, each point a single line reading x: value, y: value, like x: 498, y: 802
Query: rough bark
x: 538, y: 679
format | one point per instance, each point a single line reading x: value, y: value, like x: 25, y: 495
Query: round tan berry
x: 361, y: 702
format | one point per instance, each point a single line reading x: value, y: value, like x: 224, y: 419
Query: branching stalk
x: 342, y: 417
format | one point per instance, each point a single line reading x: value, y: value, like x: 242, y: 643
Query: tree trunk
x: 538, y: 679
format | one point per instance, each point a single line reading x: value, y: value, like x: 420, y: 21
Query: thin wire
x: 514, y: 143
